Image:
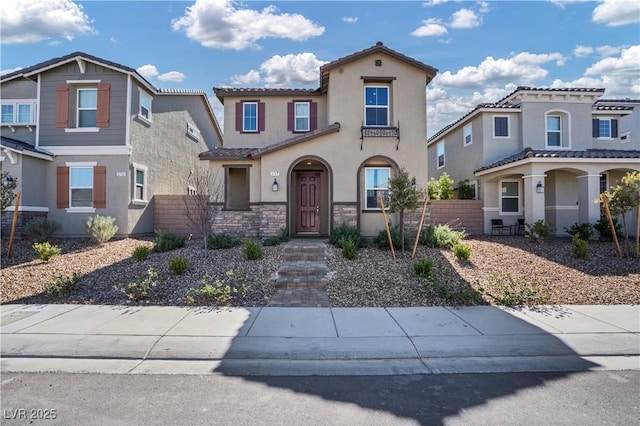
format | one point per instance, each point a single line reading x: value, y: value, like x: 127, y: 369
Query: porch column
x: 534, y: 202
x: 588, y: 191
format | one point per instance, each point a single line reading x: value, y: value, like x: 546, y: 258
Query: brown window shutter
x: 313, y: 116
x: 290, y: 117
x: 62, y: 187
x: 239, y: 113
x: 261, y: 116
x: 62, y: 105
x: 100, y: 187
x: 102, y: 115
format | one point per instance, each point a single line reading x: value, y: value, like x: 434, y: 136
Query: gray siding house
x: 85, y: 136
x: 540, y: 154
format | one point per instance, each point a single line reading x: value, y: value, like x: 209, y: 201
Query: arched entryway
x: 309, y: 197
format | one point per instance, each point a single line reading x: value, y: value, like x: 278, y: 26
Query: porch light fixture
x: 275, y: 187
x: 8, y: 180
x: 540, y: 188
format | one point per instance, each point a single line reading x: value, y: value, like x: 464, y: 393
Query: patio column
x: 588, y: 191
x: 534, y: 202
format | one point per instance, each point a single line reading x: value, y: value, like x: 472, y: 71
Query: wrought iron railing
x: 380, y: 132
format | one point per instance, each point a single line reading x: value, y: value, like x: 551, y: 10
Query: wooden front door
x: 308, y: 208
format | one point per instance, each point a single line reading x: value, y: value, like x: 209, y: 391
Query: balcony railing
x: 380, y: 132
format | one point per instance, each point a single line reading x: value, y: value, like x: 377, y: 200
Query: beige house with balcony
x: 311, y: 160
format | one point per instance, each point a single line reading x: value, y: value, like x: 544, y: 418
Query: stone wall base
x: 24, y: 217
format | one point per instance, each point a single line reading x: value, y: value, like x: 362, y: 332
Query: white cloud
x: 430, y: 3
x: 251, y: 78
x: 561, y: 3
x: 582, y: 51
x: 465, y: 18
x: 173, y: 76
x: 148, y: 71
x: 608, y: 50
x: 350, y: 19
x: 32, y: 21
x: 429, y: 28
x: 221, y: 24
x: 614, y: 13
x: 284, y: 71
x: 114, y: 40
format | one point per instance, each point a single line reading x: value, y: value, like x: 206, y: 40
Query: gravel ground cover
x: 374, y: 278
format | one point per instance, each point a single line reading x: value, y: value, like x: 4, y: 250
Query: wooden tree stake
x: 424, y: 211
x: 605, y: 202
x: 14, y: 223
x: 386, y: 226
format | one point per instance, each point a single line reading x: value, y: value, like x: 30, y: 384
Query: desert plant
x: 538, y: 230
x: 349, y: 248
x: 462, y: 251
x: 101, y: 228
x: 344, y: 232
x: 252, y: 250
x: 441, y: 235
x: 622, y: 199
x: 518, y: 292
x: 580, y: 247
x: 221, y: 241
x: 166, y: 241
x: 178, y: 264
x: 584, y: 231
x: 465, y: 190
x: 40, y: 229
x: 441, y: 189
x: 142, y: 286
x: 218, y: 291
x: 382, y: 241
x: 423, y: 267
x: 140, y: 253
x: 604, y: 229
x: 403, y: 196
x: 62, y: 286
x: 45, y: 250
x: 277, y: 239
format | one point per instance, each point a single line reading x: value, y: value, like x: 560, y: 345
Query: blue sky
x: 482, y: 49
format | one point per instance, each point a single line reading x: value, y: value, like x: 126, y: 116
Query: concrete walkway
x: 317, y: 341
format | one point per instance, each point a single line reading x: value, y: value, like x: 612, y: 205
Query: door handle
x: 317, y: 209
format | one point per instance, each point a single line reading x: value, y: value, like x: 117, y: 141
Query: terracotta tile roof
x: 222, y: 92
x: 227, y: 154
x: 612, y: 108
x: 560, y: 154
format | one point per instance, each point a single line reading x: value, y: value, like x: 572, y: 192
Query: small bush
x: 441, y: 189
x: 166, y: 241
x: 101, y: 228
x: 580, y: 247
x: 178, y: 264
x: 62, y: 286
x: 345, y: 232
x: 584, y: 231
x: 441, y: 236
x: 41, y: 229
x: 465, y: 190
x: 518, y: 292
x: 603, y: 227
x: 382, y: 241
x: 462, y: 251
x: 219, y: 291
x: 252, y: 251
x: 538, y: 230
x: 279, y: 239
x: 142, y: 286
x: 46, y: 251
x: 140, y: 253
x: 423, y: 268
x: 221, y: 241
x: 349, y: 248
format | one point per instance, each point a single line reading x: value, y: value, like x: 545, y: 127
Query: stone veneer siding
x: 24, y: 217
x: 345, y: 214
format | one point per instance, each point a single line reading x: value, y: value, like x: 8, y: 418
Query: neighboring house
x: 311, y: 160
x: 540, y: 154
x: 85, y: 136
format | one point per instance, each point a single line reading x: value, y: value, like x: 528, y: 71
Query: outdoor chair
x: 498, y: 226
x: 519, y: 227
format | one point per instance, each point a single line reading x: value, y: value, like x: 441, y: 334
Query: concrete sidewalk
x: 317, y: 341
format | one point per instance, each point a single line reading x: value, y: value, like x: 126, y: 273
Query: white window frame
x: 367, y: 187
x: 193, y: 132
x: 467, y: 134
x: 244, y: 117
x: 78, y: 108
x: 501, y: 197
x: 508, y: 126
x: 609, y: 120
x: 387, y: 106
x: 138, y: 168
x: 307, y: 117
x: 559, y: 131
x: 15, y: 112
x: 148, y: 116
x: 81, y: 165
x: 440, y: 147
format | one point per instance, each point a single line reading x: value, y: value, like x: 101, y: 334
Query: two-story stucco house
x: 311, y: 160
x: 540, y: 154
x: 85, y: 136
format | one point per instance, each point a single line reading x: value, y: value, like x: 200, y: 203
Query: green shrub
x: 221, y: 241
x: 62, y: 286
x: 538, y: 230
x: 462, y: 251
x: 345, y: 232
x: 178, y: 264
x: 603, y: 227
x: 234, y: 285
x: 349, y: 248
x: 252, y: 250
x: 41, y: 229
x: 580, y: 247
x: 441, y: 236
x: 518, y: 292
x: 101, y: 228
x: 45, y: 250
x: 142, y: 286
x: 465, y: 190
x: 423, y: 268
x: 584, y: 231
x: 166, y: 241
x: 279, y: 239
x: 441, y: 189
x: 382, y: 241
x: 140, y: 253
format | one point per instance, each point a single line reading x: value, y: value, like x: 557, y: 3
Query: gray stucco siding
x: 19, y: 89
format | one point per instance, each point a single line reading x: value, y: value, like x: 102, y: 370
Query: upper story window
x: 501, y: 126
x: 605, y: 128
x: 301, y: 111
x: 145, y: 106
x: 82, y: 106
x: 376, y: 183
x: 302, y: 116
x: 554, y: 131
x: 19, y: 112
x: 376, y: 106
x: 87, y: 110
x: 440, y: 153
x: 250, y: 117
x: 466, y: 133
